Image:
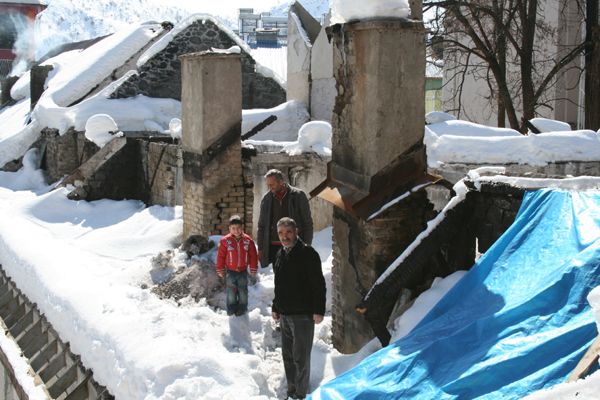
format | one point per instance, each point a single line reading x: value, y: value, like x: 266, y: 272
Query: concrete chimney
x: 378, y: 153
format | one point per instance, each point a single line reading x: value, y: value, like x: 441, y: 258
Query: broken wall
x: 304, y: 171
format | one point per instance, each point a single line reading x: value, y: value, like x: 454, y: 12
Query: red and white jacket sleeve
x: 221, y: 257
x: 252, y: 257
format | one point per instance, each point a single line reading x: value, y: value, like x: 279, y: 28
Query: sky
x: 93, y: 259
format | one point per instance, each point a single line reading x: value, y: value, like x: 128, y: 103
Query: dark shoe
x: 240, y: 313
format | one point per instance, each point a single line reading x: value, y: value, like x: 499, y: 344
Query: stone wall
x: 163, y: 166
x: 160, y: 76
x: 151, y: 170
x: 495, y: 207
x: 455, y: 172
x: 468, y: 229
x: 121, y: 177
x: 305, y: 171
x: 62, y: 154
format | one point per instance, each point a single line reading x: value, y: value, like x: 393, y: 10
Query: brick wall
x: 361, y: 252
x: 213, y: 194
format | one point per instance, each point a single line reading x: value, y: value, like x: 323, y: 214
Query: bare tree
x: 500, y: 41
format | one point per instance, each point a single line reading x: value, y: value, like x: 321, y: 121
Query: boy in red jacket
x: 237, y: 252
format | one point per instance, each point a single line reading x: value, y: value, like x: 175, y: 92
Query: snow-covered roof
x: 162, y: 43
x: 535, y: 150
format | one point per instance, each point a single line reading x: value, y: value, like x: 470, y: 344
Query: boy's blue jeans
x: 237, y: 292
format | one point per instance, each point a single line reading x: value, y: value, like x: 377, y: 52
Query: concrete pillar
x: 379, y: 113
x: 211, y: 98
x: 379, y: 67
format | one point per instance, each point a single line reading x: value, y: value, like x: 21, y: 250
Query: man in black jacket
x: 299, y: 304
x: 282, y: 200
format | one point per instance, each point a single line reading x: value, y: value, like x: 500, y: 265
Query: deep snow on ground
x: 86, y: 265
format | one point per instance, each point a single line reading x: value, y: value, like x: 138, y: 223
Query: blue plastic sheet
x: 517, y: 322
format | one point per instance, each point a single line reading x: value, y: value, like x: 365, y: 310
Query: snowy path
x: 84, y: 264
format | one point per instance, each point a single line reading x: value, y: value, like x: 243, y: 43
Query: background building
x: 262, y: 29
x: 468, y: 92
x: 16, y: 16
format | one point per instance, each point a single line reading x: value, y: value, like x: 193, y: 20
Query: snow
x: 66, y: 21
x: 444, y: 146
x: 100, y: 129
x: 347, y: 10
x: 301, y: 30
x: 576, y: 183
x: 231, y: 50
x: 69, y: 81
x: 21, y: 368
x: 583, y: 389
x: 174, y: 128
x: 448, y: 125
x: 87, y: 275
x: 550, y: 125
x: 395, y: 201
x: 273, y: 59
x: 313, y: 136
x: 290, y: 118
x: 423, y: 303
x: 435, y: 117
x: 98, y: 61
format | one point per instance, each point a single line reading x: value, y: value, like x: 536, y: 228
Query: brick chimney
x: 211, y: 99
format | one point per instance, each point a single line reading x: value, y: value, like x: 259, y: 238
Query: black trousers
x: 297, y: 333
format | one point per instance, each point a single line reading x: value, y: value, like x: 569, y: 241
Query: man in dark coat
x: 299, y: 304
x: 282, y: 200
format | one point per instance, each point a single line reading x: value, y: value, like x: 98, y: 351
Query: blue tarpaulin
x: 517, y: 322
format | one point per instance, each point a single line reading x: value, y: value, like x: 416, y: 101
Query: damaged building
x: 376, y: 189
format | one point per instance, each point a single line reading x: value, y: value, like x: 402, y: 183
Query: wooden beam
x: 588, y: 360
